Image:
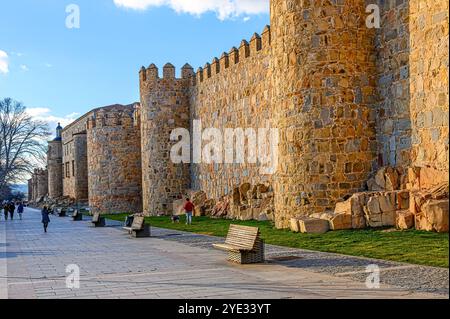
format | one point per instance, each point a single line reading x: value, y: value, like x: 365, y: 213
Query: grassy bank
x: 417, y: 247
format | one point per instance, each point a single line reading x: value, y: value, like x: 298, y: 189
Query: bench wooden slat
x: 138, y: 223
x: 96, y: 218
x: 230, y: 247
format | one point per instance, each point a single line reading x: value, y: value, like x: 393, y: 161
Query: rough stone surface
x: 433, y: 216
x: 313, y: 225
x: 114, y: 160
x: 164, y: 107
x: 404, y: 220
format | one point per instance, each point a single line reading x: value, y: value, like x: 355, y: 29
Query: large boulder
x: 386, y: 179
x: 380, y: 210
x: 340, y: 221
x: 294, y: 225
x: 313, y: 225
x: 354, y: 208
x: 433, y: 216
x: 404, y: 220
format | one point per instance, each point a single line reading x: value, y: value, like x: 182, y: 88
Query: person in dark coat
x: 6, y: 210
x: 20, y: 210
x: 12, y: 209
x: 45, y: 217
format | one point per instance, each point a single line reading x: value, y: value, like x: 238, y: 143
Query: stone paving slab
x: 409, y: 276
x: 170, y: 265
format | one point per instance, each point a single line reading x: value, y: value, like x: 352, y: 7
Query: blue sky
x: 60, y: 73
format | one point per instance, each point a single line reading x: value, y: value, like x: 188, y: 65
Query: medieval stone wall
x: 55, y: 169
x: 346, y: 100
x: 114, y: 161
x: 393, y: 67
x: 40, y: 184
x: 429, y: 62
x: 75, y: 174
x: 324, y: 92
x: 233, y: 92
x: 164, y: 107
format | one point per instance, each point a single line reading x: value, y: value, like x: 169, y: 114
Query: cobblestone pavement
x: 175, y: 264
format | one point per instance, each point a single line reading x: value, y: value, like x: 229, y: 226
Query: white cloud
x: 24, y: 68
x: 48, y: 65
x: 4, y: 64
x: 44, y: 114
x: 225, y: 9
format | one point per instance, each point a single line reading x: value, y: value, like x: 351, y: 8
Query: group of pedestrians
x: 9, y: 209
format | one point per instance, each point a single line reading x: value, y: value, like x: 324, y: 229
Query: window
x: 73, y: 168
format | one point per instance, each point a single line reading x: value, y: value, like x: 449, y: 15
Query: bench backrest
x: 138, y: 222
x: 96, y: 217
x: 242, y: 236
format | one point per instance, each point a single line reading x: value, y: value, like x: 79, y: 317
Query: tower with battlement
x: 164, y: 107
x: 55, y: 165
x: 114, y: 160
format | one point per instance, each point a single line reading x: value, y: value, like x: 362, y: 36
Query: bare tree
x: 22, y: 138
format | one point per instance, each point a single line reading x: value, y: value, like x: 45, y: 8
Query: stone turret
x: 164, y: 107
x: 114, y: 160
x: 54, y: 164
x: 322, y: 63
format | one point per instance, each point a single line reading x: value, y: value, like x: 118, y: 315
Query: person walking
x: 20, y: 210
x: 189, y: 209
x: 6, y: 210
x: 45, y: 218
x: 12, y: 209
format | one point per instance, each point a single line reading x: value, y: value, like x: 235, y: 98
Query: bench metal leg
x: 249, y: 257
x: 101, y: 222
x: 141, y: 233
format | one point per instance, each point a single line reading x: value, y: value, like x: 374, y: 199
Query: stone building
x: 74, y: 160
x: 55, y: 165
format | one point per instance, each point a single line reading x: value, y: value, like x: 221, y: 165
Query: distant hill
x: 20, y: 188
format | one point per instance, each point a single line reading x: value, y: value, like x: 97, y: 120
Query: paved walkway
x: 170, y: 265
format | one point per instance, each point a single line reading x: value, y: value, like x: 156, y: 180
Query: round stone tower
x: 54, y: 165
x: 164, y: 107
x: 323, y: 67
x: 42, y: 183
x: 114, y: 160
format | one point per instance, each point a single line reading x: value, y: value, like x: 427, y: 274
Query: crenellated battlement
x: 258, y: 43
x: 169, y: 73
x: 125, y: 117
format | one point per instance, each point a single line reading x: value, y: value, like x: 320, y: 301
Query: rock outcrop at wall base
x: 404, y: 220
x: 430, y: 208
x: 421, y: 202
x: 246, y: 202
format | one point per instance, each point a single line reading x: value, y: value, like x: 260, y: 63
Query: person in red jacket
x: 189, y: 209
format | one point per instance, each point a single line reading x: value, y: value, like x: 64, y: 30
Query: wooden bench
x: 77, y: 215
x: 139, y: 228
x: 61, y: 212
x: 98, y: 220
x: 243, y: 244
